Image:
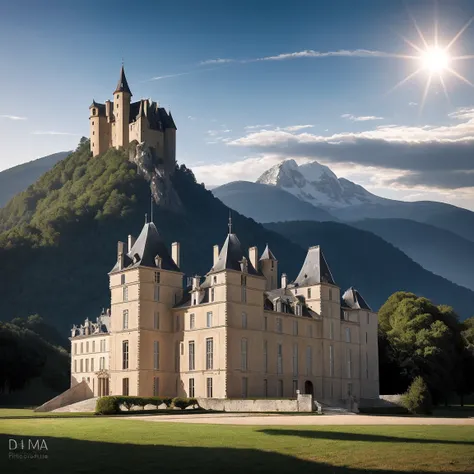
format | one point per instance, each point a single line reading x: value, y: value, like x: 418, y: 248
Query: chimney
x: 131, y: 242
x: 253, y: 252
x: 196, y: 281
x: 216, y: 254
x: 175, y: 253
x: 121, y: 255
x: 283, y: 280
x: 108, y: 111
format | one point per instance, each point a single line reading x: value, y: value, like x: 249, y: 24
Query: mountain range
x: 61, y: 233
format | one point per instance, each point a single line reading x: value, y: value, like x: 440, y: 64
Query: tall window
x: 265, y: 388
x: 349, y: 363
x: 191, y: 388
x: 192, y: 321
x: 309, y: 361
x: 245, y: 386
x: 295, y: 359
x: 191, y: 356
x: 331, y: 329
x: 265, y: 356
x: 93, y: 346
x: 331, y: 360
x: 82, y: 347
x: 209, y: 353
x: 279, y: 358
x: 243, y: 354
x: 122, y: 279
x: 349, y: 389
x: 92, y: 364
x: 102, y: 363
x: 366, y: 365
x: 309, y: 293
x: 244, y: 320
x: 125, y: 387
x: 125, y: 293
x: 310, y: 330
x: 125, y: 319
x: 295, y: 328
x: 87, y: 346
x: 368, y: 318
x: 366, y: 338
x: 212, y: 294
x: 156, y: 386
x: 209, y: 387
x: 157, y: 277
x: 265, y: 323
x: 209, y: 319
x: 176, y: 356
x: 87, y: 365
x: 82, y: 365
x: 125, y: 355
x: 156, y: 320
x: 244, y: 294
x: 298, y: 310
x: 348, y: 334
x: 156, y: 294
x: 75, y: 366
x: 156, y: 355
x: 280, y: 388
x: 102, y: 345
x: 279, y: 325
x: 330, y: 294
x: 295, y: 387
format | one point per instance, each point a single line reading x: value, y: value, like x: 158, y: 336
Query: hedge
x: 110, y: 405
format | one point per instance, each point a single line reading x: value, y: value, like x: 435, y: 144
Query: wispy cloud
x: 295, y: 128
x: 361, y: 118
x: 12, y: 117
x: 216, y: 61
x: 168, y: 76
x: 190, y: 117
x: 412, y: 104
x: 53, y: 132
x: 255, y: 127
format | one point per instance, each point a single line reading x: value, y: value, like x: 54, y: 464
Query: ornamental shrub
x: 417, y: 399
x: 107, y: 406
x: 183, y: 403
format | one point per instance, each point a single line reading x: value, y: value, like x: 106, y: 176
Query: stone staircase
x: 86, y: 406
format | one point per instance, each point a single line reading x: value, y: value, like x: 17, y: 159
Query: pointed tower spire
x: 230, y: 222
x: 122, y: 85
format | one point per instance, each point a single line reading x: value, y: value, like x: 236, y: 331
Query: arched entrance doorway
x: 308, y: 388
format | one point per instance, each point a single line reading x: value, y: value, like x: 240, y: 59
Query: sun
x: 435, y: 60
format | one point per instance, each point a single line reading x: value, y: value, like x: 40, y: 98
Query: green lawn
x: 111, y: 445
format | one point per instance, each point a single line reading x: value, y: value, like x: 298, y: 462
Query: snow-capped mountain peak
x: 317, y: 184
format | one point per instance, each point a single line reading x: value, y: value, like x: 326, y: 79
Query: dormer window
x: 94, y: 111
x: 158, y: 261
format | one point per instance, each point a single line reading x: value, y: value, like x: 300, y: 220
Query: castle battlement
x: 119, y: 122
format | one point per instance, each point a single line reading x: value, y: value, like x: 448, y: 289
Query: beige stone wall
x: 122, y: 117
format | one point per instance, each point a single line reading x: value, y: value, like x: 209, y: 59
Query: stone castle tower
x: 119, y: 122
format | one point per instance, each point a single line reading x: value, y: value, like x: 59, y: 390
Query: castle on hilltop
x: 120, y: 122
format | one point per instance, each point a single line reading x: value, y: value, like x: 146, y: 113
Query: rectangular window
x: 279, y: 325
x: 156, y: 293
x: 310, y: 330
x: 122, y: 279
x: 349, y: 389
x: 265, y: 388
x: 309, y: 361
x: 330, y: 294
x: 212, y: 294
x: 75, y: 366
x: 295, y: 328
x: 82, y: 347
x: 157, y: 277
x: 366, y: 338
x: 125, y: 293
x: 209, y: 353
x: 243, y: 354
x: 102, y: 345
x: 245, y: 386
x: 125, y: 387
x: 366, y: 365
x: 191, y: 388
x: 279, y: 358
x: 192, y: 321
x: 87, y: 347
x: 102, y: 363
x: 368, y: 318
x: 125, y: 319
x: 92, y: 365
x: 331, y: 361
x: 93, y: 346
x: 125, y: 355
x: 209, y: 387
x: 209, y: 319
x: 348, y: 334
x: 346, y: 316
x: 244, y: 294
x: 156, y: 320
x: 295, y: 387
x: 87, y: 365
x: 309, y: 293
x: 244, y: 320
x: 191, y: 356
x: 331, y: 329
x: 349, y: 363
x: 280, y: 388
x: 82, y: 365
x: 265, y: 323
x: 176, y: 356
x: 295, y: 359
x: 156, y: 355
x: 156, y: 386
x: 265, y: 356
x: 178, y: 325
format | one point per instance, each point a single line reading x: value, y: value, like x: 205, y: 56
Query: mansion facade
x: 241, y: 331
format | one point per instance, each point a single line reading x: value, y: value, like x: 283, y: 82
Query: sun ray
x: 445, y: 90
x: 462, y: 58
x: 413, y: 74
x: 420, y: 34
x: 460, y: 32
x: 425, y: 93
x: 413, y: 45
x: 462, y: 78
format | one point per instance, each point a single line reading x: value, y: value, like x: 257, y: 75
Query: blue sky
x: 243, y: 78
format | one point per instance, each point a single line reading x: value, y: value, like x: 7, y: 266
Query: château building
x: 119, y: 122
x: 240, y: 331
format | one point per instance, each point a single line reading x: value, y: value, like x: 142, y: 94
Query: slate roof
x: 122, y: 85
x: 148, y: 245
x: 231, y: 255
x: 267, y: 254
x: 354, y: 300
x: 288, y: 300
x: 158, y: 118
x: 315, y: 269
